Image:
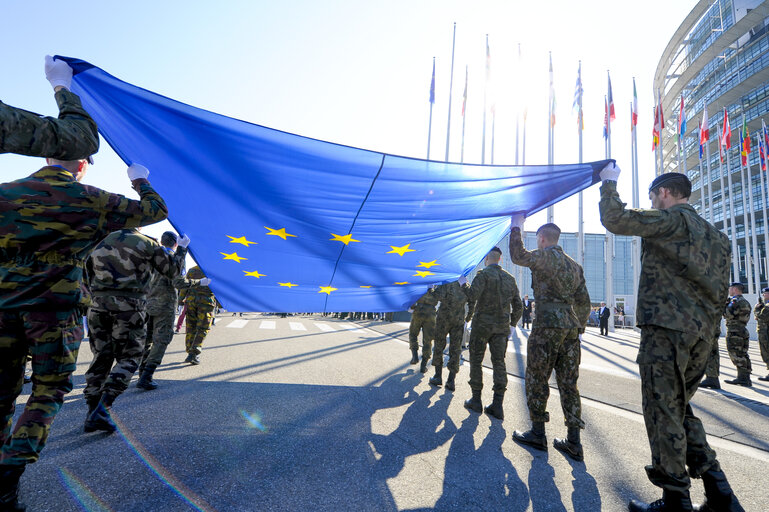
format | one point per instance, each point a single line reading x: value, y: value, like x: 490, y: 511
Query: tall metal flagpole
x: 746, y: 224
x: 493, y: 127
x: 485, y: 94
x: 609, y: 235
x: 753, y: 237
x: 550, y: 209
x: 703, y: 186
x: 706, y: 127
x: 761, y: 172
x: 464, y: 117
x: 451, y: 86
x: 735, y: 249
x: 581, y: 215
x: 432, y: 102
x: 730, y: 232
x: 636, y: 244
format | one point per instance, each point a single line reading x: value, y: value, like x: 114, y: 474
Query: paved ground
x: 313, y: 413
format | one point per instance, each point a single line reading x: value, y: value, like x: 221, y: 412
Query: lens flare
x: 254, y: 420
x: 87, y: 500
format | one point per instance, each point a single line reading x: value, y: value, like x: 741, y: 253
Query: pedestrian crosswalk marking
x: 324, y: 327
x: 267, y: 324
x: 297, y: 326
x: 237, y: 324
x: 349, y: 327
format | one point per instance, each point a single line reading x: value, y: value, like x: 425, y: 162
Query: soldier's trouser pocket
x: 54, y: 338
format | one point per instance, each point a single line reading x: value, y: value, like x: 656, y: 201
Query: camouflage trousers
x: 426, y: 324
x: 455, y: 330
x: 713, y: 366
x: 160, y: 332
x: 495, y: 336
x: 737, y: 345
x: 551, y: 349
x: 671, y: 364
x: 199, y: 319
x: 763, y: 343
x: 53, y: 339
x: 116, y: 337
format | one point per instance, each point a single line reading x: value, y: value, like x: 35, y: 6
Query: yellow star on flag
x: 234, y: 256
x: 346, y: 239
x: 240, y: 240
x: 366, y: 286
x: 278, y: 232
x: 400, y: 251
x: 424, y: 273
x: 255, y: 274
x: 401, y: 283
x: 428, y: 264
x: 327, y: 289
x: 288, y: 285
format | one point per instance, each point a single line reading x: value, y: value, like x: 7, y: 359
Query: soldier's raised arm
x: 518, y: 253
x: 121, y: 212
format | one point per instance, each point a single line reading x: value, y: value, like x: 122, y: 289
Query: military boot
x: 414, y: 356
x: 145, y: 381
x: 474, y: 404
x: 718, y: 494
x: 190, y: 357
x: 92, y: 403
x: 672, y: 501
x: 571, y: 446
x: 450, y: 381
x: 100, y: 418
x: 743, y: 378
x: 535, y: 437
x: 423, y: 366
x: 764, y: 378
x: 495, y: 409
x: 9, y: 488
x: 437, y: 379
x: 710, y: 383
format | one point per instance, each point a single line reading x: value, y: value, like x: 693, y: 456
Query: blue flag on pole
x: 281, y: 222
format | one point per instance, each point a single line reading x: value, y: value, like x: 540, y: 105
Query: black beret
x: 764, y: 290
x: 667, y: 177
x: 737, y: 284
x: 496, y: 249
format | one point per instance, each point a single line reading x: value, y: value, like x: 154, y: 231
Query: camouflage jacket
x: 685, y: 264
x: 163, y: 295
x: 558, y: 283
x: 737, y: 313
x: 494, y: 298
x: 197, y: 295
x: 425, y: 305
x: 70, y: 137
x: 761, y: 312
x: 122, y: 265
x: 48, y: 225
x: 453, y: 298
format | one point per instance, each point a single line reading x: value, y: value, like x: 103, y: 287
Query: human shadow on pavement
x: 545, y: 496
x: 584, y: 496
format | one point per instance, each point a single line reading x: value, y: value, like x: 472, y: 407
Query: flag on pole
x: 552, y: 94
x: 719, y: 135
x: 464, y: 95
x: 726, y: 136
x: 635, y: 105
x: 765, y: 136
x: 761, y: 152
x: 744, y: 142
x: 612, y: 115
x: 704, y: 127
x: 605, y: 119
x: 681, y: 121
x: 432, y: 85
x: 577, y: 104
x: 658, y: 123
x: 700, y: 131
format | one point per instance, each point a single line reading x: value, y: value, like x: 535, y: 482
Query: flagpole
x: 550, y: 134
x: 735, y: 251
x: 662, y: 127
x: 702, y: 176
x: 464, y: 117
x: 432, y: 102
x: 493, y: 125
x: 763, y: 195
x: 636, y: 244
x: 609, y: 234
x: 729, y: 232
x: 746, y: 224
x: 451, y: 86
x: 485, y: 94
x: 581, y: 215
x: 753, y: 236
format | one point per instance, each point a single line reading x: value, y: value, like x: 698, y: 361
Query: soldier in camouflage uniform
x: 49, y: 222
x: 761, y: 312
x: 737, y: 315
x: 450, y: 320
x: 119, y: 270
x: 681, y: 294
x: 200, y: 302
x: 161, y: 308
x: 422, y: 319
x: 494, y: 298
x: 563, y: 307
x: 70, y: 137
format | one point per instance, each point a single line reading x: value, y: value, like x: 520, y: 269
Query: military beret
x: 668, y: 177
x: 765, y: 290
x: 496, y: 249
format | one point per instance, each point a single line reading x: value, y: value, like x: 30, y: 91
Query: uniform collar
x: 56, y: 172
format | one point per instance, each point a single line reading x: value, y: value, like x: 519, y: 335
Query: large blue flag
x: 281, y: 222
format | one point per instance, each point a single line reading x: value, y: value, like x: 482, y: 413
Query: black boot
x: 718, y: 494
x: 743, y: 378
x: 450, y: 381
x: 437, y: 379
x: 423, y: 366
x: 764, y: 378
x: 414, y: 356
x: 672, y: 501
x: 145, y: 381
x: 474, y: 404
x: 495, y: 409
x: 710, y: 383
x: 535, y: 437
x: 100, y: 419
x: 571, y: 446
x: 9, y: 488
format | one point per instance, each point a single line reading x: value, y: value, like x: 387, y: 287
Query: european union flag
x: 281, y: 222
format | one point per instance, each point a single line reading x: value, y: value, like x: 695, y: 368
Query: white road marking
x: 237, y: 324
x: 297, y: 326
x: 267, y: 324
x: 324, y: 327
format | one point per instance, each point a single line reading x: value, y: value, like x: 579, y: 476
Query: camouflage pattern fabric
x: 682, y: 291
x: 200, y: 303
x: 53, y: 339
x: 115, y: 337
x: 737, y: 315
x: 423, y: 319
x: 450, y: 321
x: 713, y: 365
x: 762, y: 319
x: 497, y: 305
x: 160, y: 332
x: 72, y: 136
x: 48, y: 225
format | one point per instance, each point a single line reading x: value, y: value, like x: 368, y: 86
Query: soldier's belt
x: 119, y: 293
x: 553, y: 305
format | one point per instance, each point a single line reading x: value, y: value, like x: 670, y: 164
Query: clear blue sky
x: 358, y: 73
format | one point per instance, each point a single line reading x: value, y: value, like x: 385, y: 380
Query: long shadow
x: 585, y: 496
x: 610, y: 361
x: 545, y: 496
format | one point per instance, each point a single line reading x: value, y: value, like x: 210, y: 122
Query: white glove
x: 610, y: 172
x: 137, y: 172
x: 58, y: 72
x: 184, y: 241
x: 516, y: 221
x: 410, y: 310
x: 462, y: 280
x: 205, y: 281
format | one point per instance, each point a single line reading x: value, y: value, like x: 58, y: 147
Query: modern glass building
x: 719, y: 59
